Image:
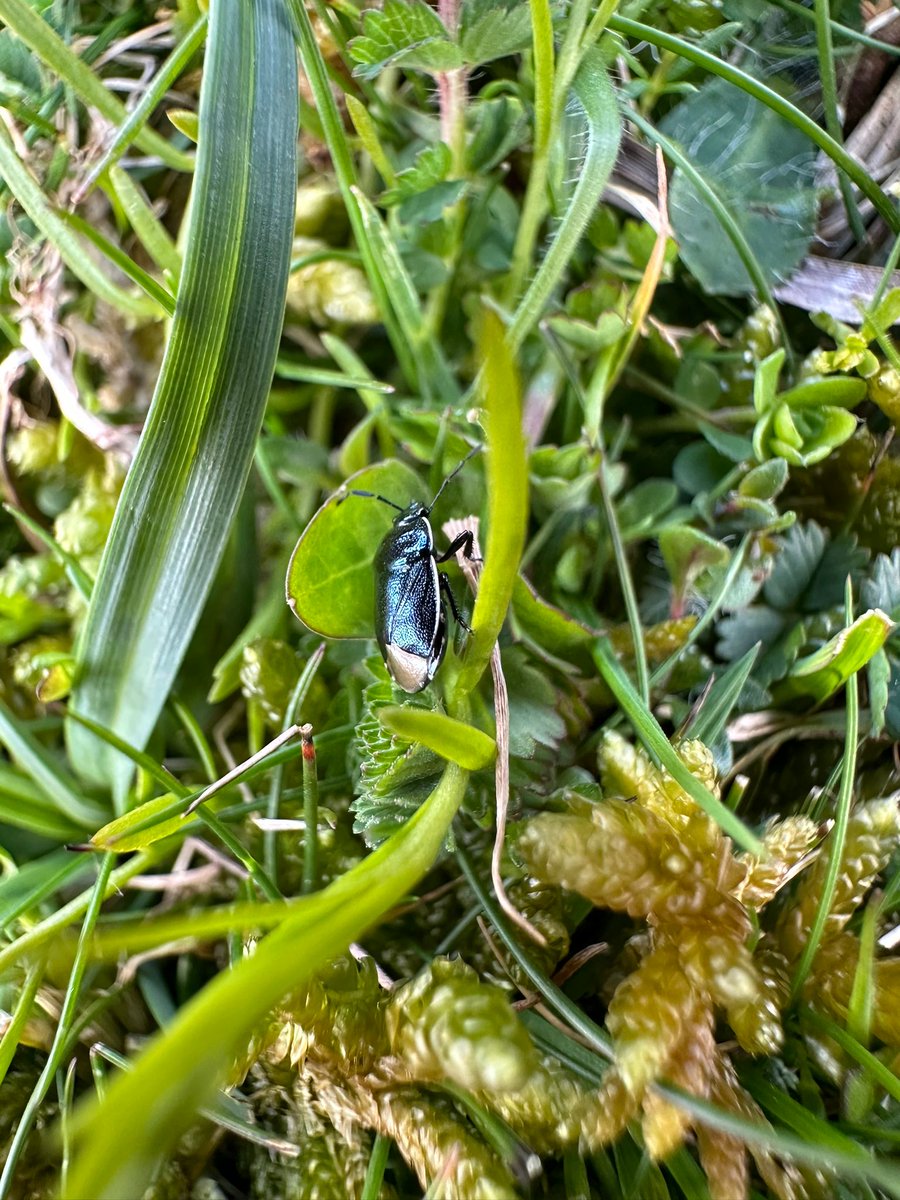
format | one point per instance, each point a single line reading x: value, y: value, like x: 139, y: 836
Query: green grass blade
x: 123, y: 1138
x: 716, y: 66
x: 174, y: 65
x: 176, y: 509
x: 57, y: 784
x: 434, y: 376
x: 345, y: 173
x: 29, y: 194
x: 594, y: 93
x: 123, y: 261
x: 838, y: 835
x: 61, y: 1037
x: 652, y: 736
x: 36, y: 33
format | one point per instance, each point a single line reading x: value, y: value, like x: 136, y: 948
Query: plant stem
x: 310, y: 812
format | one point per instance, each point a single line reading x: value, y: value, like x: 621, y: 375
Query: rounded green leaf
x: 329, y: 579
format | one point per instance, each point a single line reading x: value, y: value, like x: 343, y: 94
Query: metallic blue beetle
x: 410, y: 618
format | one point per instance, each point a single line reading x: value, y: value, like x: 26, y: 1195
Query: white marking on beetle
x: 409, y: 671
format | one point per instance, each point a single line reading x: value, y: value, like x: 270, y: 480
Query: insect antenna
x: 371, y: 496
x: 456, y: 470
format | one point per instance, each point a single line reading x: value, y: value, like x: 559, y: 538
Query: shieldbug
x: 410, y: 617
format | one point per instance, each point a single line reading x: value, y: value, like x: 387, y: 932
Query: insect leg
x: 463, y: 542
x: 451, y: 600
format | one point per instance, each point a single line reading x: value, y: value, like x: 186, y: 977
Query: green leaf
x: 882, y: 588
x: 547, y: 626
x: 493, y: 29
x: 795, y: 567
x: 689, y: 554
x: 820, y: 675
x: 142, y: 826
x: 432, y: 166
x: 39, y: 764
x: 878, y: 677
x: 766, y: 481
x: 761, y: 168
x: 120, y: 1145
x: 651, y: 735
x: 453, y: 740
x: 507, y: 486
x: 184, y: 486
x: 403, y: 33
x: 330, y: 586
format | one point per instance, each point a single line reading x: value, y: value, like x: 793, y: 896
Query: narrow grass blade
x: 175, y: 513
x: 709, y: 723
x: 26, y: 22
x: 116, y: 1157
x: 29, y: 194
x: 345, y: 173
x: 56, y: 783
x: 652, y: 736
x: 63, y: 1032
x: 435, y: 378
x: 838, y: 834
x: 123, y: 261
x: 640, y: 31
x: 174, y: 65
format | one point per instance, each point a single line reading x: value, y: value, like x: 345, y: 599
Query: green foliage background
x: 335, y: 246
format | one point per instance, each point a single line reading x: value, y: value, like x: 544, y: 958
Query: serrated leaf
x: 330, y: 585
x: 184, y: 486
x: 882, y: 588
x: 761, y: 167
x: 453, y: 740
x: 533, y: 717
x: 820, y: 675
x: 799, y: 557
x: 404, y: 33
x: 493, y: 29
x: 740, y: 632
x: 432, y: 166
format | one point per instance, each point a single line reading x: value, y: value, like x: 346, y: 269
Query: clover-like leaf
x: 329, y: 580
x: 805, y: 423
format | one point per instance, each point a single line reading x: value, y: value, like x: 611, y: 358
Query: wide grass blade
x: 189, y: 472
x: 124, y: 1137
